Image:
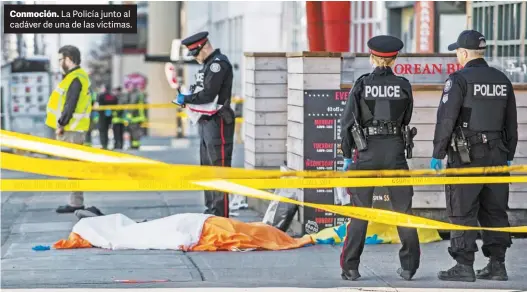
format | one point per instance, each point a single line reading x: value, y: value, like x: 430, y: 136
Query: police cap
x: 195, y: 43
x: 469, y: 39
x: 385, y: 46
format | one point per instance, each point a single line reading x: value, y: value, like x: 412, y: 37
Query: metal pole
x: 523, y: 23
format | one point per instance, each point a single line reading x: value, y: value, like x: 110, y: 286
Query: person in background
x: 119, y: 120
x: 135, y: 117
x: 105, y: 98
x: 94, y: 118
x: 69, y: 110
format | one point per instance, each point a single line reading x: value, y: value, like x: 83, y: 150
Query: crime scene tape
x: 146, y: 166
x: 66, y: 150
x: 369, y: 214
x: 163, y: 172
x: 374, y: 215
x: 110, y: 185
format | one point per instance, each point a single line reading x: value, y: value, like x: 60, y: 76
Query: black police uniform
x: 479, y: 101
x: 217, y: 131
x: 382, y: 104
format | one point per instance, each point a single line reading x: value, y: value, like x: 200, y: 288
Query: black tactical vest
x: 386, y: 97
x: 485, y: 102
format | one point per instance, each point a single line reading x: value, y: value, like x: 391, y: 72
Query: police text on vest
x: 383, y: 91
x: 490, y: 89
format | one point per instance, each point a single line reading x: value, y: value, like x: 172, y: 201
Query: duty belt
x: 382, y: 130
x: 483, y: 138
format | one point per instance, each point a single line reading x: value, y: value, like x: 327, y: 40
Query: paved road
x: 28, y: 219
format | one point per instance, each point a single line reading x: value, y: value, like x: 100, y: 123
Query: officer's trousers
x: 216, y: 148
x: 483, y: 203
x: 385, y: 152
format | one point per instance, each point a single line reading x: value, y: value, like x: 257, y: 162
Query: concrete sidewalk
x: 28, y: 219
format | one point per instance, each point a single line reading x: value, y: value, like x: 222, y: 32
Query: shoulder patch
x: 215, y: 67
x: 445, y: 98
x: 448, y: 85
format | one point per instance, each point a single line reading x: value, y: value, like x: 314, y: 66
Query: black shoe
x: 68, y: 209
x: 350, y: 275
x: 95, y: 211
x: 459, y: 272
x: 493, y: 271
x: 405, y: 274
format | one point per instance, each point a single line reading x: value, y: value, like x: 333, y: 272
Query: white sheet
x: 116, y: 231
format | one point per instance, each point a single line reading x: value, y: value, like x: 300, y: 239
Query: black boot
x: 350, y: 275
x: 405, y: 274
x: 493, y: 271
x: 460, y: 272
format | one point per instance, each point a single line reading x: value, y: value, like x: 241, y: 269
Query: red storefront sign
x: 426, y: 69
x: 424, y: 11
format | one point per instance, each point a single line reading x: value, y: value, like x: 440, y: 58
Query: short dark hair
x: 71, y: 52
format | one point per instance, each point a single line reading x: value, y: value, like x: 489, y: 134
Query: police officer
x: 210, y: 97
x: 377, y: 112
x: 476, y: 126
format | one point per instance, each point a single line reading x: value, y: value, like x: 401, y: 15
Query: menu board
x: 322, y: 151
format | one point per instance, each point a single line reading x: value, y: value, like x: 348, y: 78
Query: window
x: 506, y: 47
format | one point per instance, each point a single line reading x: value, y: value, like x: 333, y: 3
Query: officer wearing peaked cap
x: 476, y: 126
x: 209, y: 100
x: 375, y: 135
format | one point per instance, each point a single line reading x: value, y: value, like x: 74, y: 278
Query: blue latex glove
x: 436, y: 164
x: 41, y: 247
x: 509, y: 163
x: 180, y: 99
x: 347, y: 164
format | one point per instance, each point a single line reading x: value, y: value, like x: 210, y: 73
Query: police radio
x: 358, y: 135
x: 461, y: 146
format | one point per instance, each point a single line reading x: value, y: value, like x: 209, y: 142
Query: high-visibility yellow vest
x: 80, y: 122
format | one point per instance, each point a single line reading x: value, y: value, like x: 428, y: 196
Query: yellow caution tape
x: 66, y: 150
x: 20, y: 185
x: 241, y: 186
x: 237, y: 187
x: 138, y: 170
x: 152, y: 168
x: 368, y: 214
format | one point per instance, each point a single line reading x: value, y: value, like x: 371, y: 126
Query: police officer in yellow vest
x: 69, y: 110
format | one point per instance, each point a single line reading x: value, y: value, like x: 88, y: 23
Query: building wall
x: 237, y: 27
x: 368, y: 19
x: 126, y: 64
x: 411, y: 21
x: 506, y: 41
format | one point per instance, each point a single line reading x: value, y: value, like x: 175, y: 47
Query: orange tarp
x: 223, y: 234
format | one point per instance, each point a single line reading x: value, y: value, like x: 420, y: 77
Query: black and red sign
x: 322, y: 151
